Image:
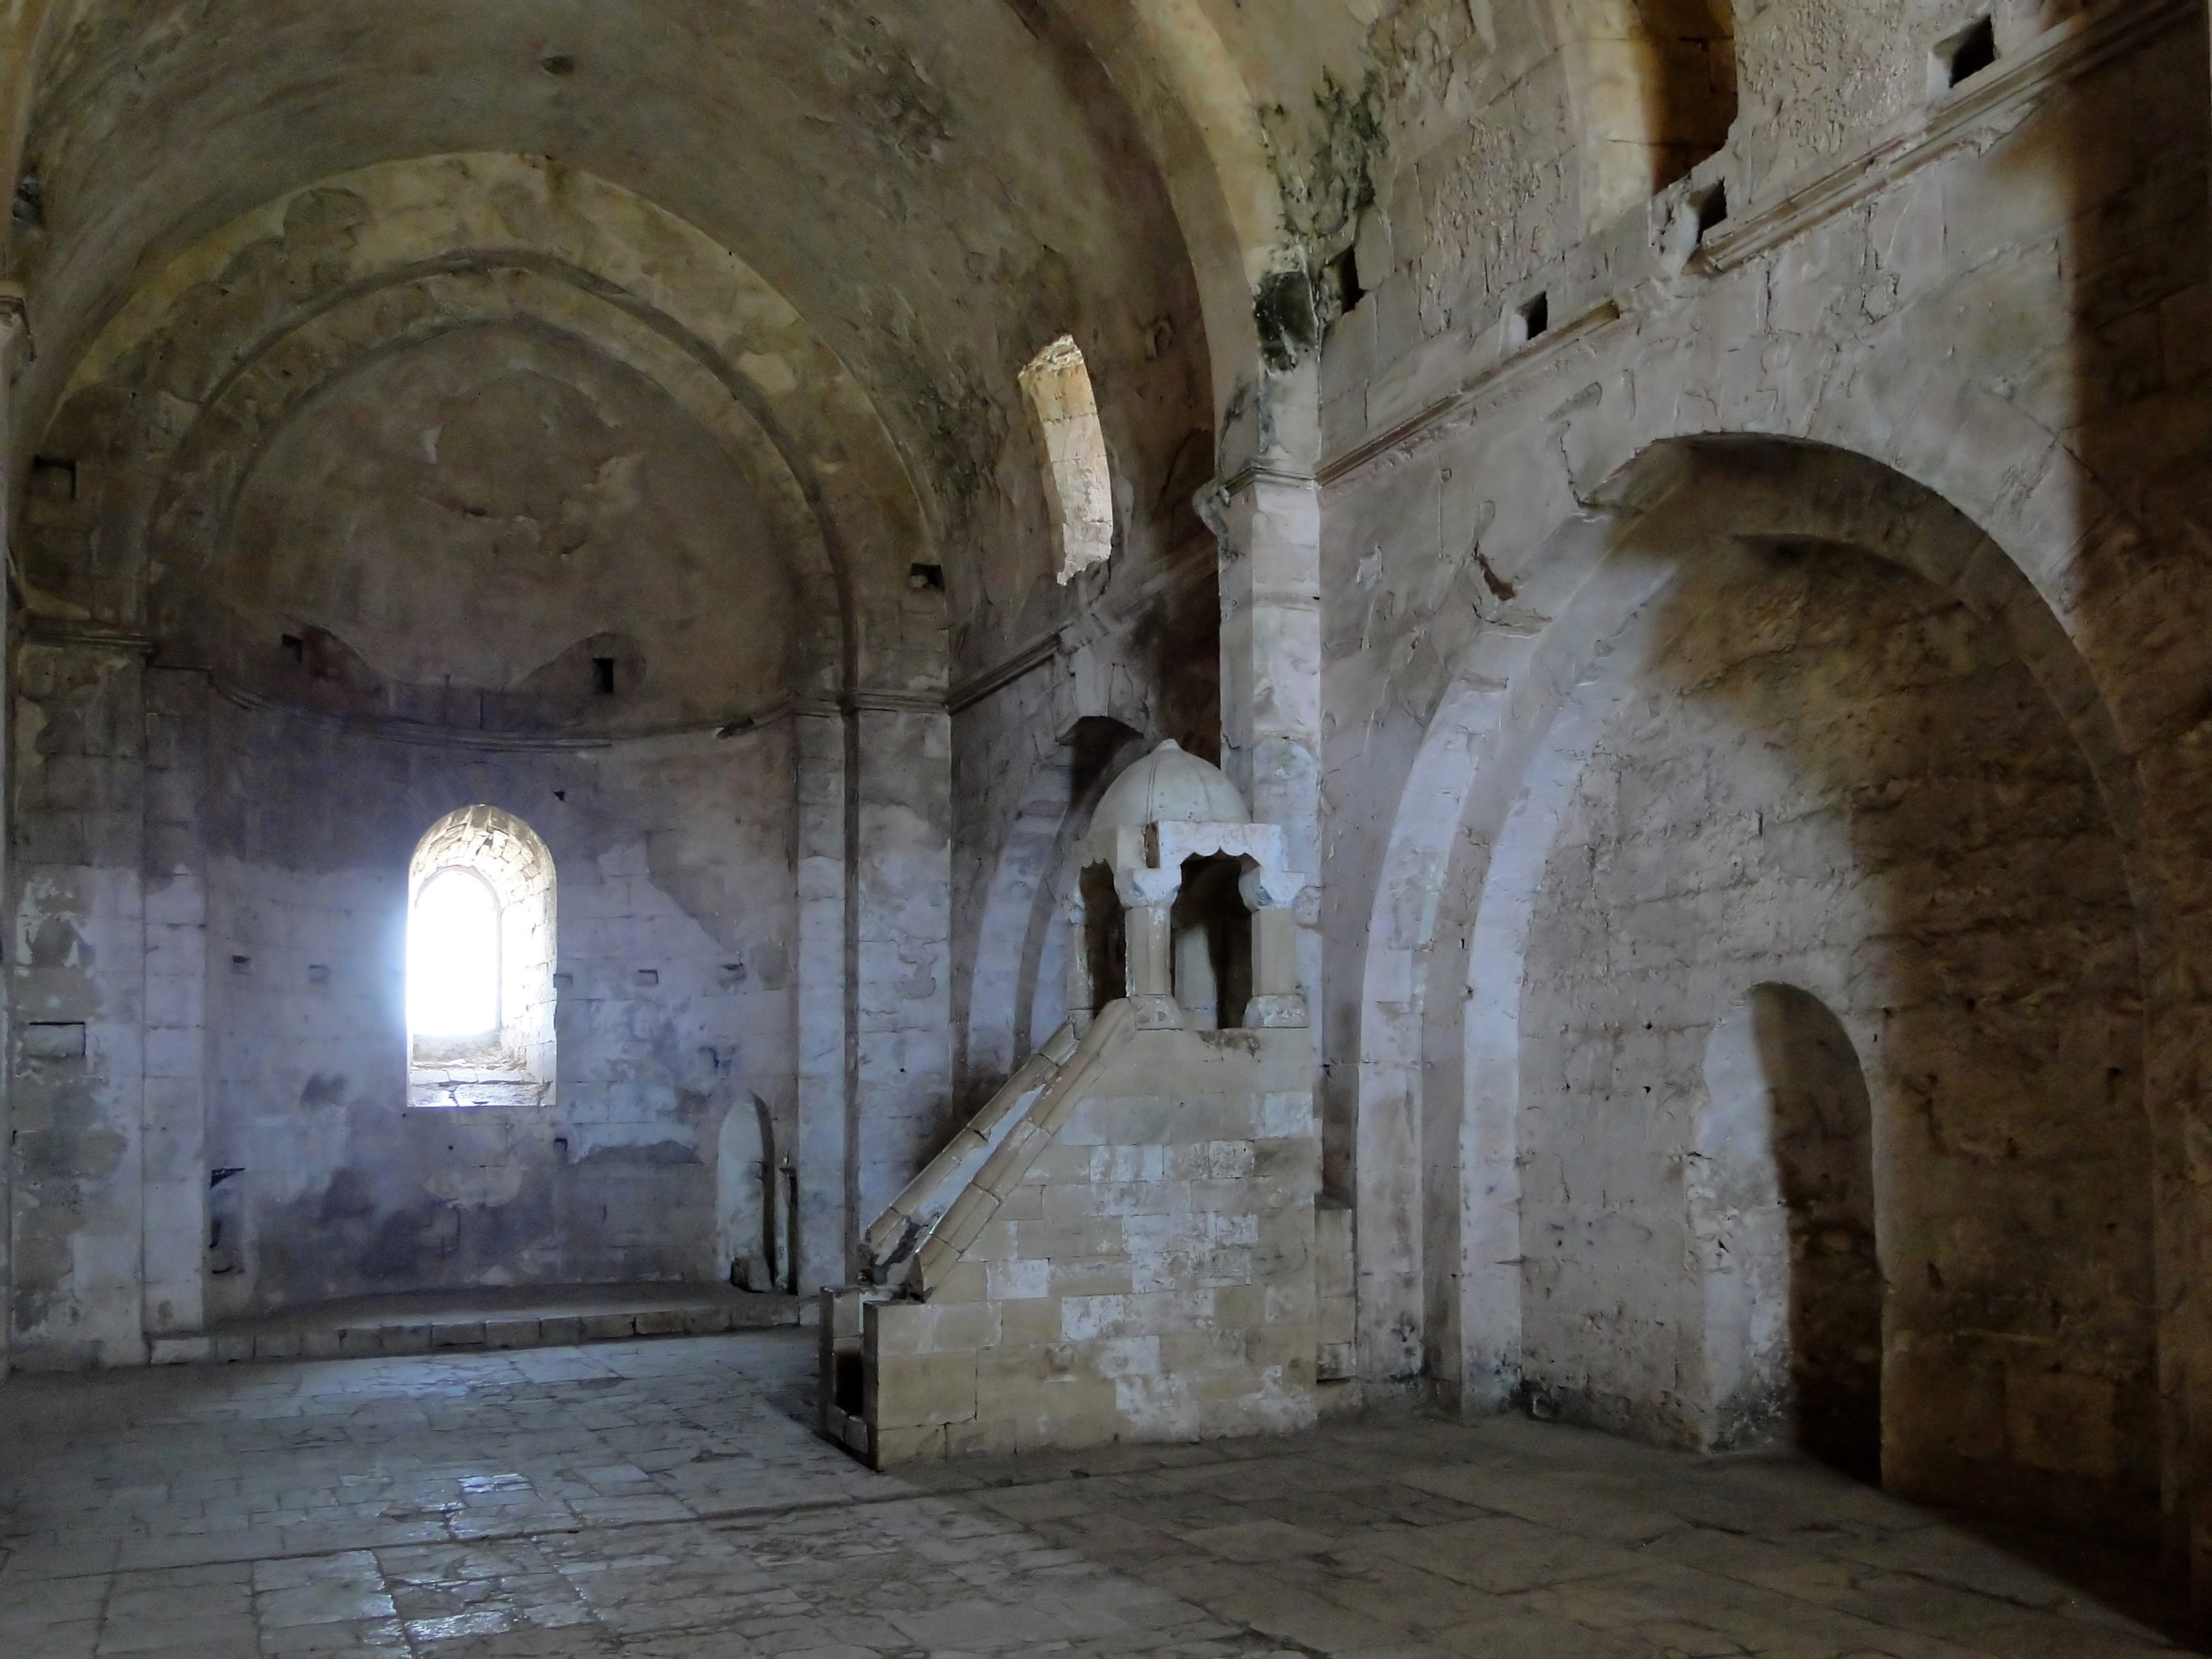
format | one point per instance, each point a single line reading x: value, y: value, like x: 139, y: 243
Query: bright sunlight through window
x: 452, y: 958
x: 1078, y: 484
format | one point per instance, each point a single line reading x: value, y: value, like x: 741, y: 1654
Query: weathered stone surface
x: 1684, y: 523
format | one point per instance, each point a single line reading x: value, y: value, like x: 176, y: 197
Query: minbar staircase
x: 1124, y: 1244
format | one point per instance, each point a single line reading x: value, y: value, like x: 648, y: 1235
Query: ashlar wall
x: 1805, y: 767
x: 1151, y: 1277
x: 210, y: 979
x: 1988, y: 298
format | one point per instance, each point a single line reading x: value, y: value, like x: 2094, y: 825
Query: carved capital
x: 1142, y: 889
x: 1270, y: 889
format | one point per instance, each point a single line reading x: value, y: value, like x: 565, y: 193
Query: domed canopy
x: 1170, y: 786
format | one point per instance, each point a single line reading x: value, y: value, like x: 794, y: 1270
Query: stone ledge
x: 410, y: 1325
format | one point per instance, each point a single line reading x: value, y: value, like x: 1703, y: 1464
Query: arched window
x: 481, y: 918
x: 1077, y: 484
x: 452, y: 958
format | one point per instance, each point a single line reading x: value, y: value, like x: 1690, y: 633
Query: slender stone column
x: 1277, y: 1002
x: 902, y: 944
x: 1149, y: 897
x: 174, y: 1237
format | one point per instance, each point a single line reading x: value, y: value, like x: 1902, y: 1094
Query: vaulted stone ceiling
x: 860, y: 220
x: 912, y: 197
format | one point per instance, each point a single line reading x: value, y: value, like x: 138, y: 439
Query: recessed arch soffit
x: 208, y: 359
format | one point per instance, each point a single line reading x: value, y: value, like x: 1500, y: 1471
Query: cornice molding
x: 87, y: 635
x: 421, y: 735
x: 1187, y: 570
x: 1498, y: 380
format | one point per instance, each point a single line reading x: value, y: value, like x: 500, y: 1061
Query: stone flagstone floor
x: 665, y: 1500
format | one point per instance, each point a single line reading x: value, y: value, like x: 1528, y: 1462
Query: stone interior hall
x: 1201, y: 828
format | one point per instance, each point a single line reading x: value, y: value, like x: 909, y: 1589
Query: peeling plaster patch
x: 772, y: 373
x: 642, y: 1139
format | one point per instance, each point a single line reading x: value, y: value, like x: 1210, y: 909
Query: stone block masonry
x: 1149, y: 1277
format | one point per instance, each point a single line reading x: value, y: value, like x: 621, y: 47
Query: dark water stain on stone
x: 324, y: 1089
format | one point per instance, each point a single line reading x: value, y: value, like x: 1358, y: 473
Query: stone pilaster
x: 825, y: 1225
x: 14, y: 351
x: 1268, y: 518
x: 902, y: 947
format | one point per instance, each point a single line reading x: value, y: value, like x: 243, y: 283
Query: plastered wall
x: 675, y: 918
x: 272, y: 1056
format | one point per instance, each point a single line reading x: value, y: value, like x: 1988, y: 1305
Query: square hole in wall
x: 603, y: 676
x: 648, y: 976
x: 1341, y: 279
x: 1967, y: 54
x: 1532, y: 320
x: 293, y: 647
x: 564, y: 981
x: 241, y: 964
x: 1712, y: 210
x: 925, y: 577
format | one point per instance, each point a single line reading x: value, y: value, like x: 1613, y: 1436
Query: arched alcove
x: 1789, y: 720
x: 481, y: 866
x: 752, y: 1203
x: 1783, y: 1217
x: 1799, y: 763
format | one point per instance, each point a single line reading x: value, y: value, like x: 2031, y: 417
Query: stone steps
x: 539, y: 1317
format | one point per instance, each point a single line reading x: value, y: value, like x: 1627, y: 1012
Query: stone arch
x: 187, y: 522
x: 646, y: 285
x: 1016, y: 991
x: 1439, y: 1268
x: 1596, y: 566
x: 1190, y: 100
x: 998, y: 1031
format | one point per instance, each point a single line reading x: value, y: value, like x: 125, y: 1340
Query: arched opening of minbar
x: 1105, y: 937
x: 1212, y: 929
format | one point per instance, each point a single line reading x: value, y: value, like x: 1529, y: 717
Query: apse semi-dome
x: 1170, y: 786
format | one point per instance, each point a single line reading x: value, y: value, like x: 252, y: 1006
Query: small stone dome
x: 1170, y: 786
